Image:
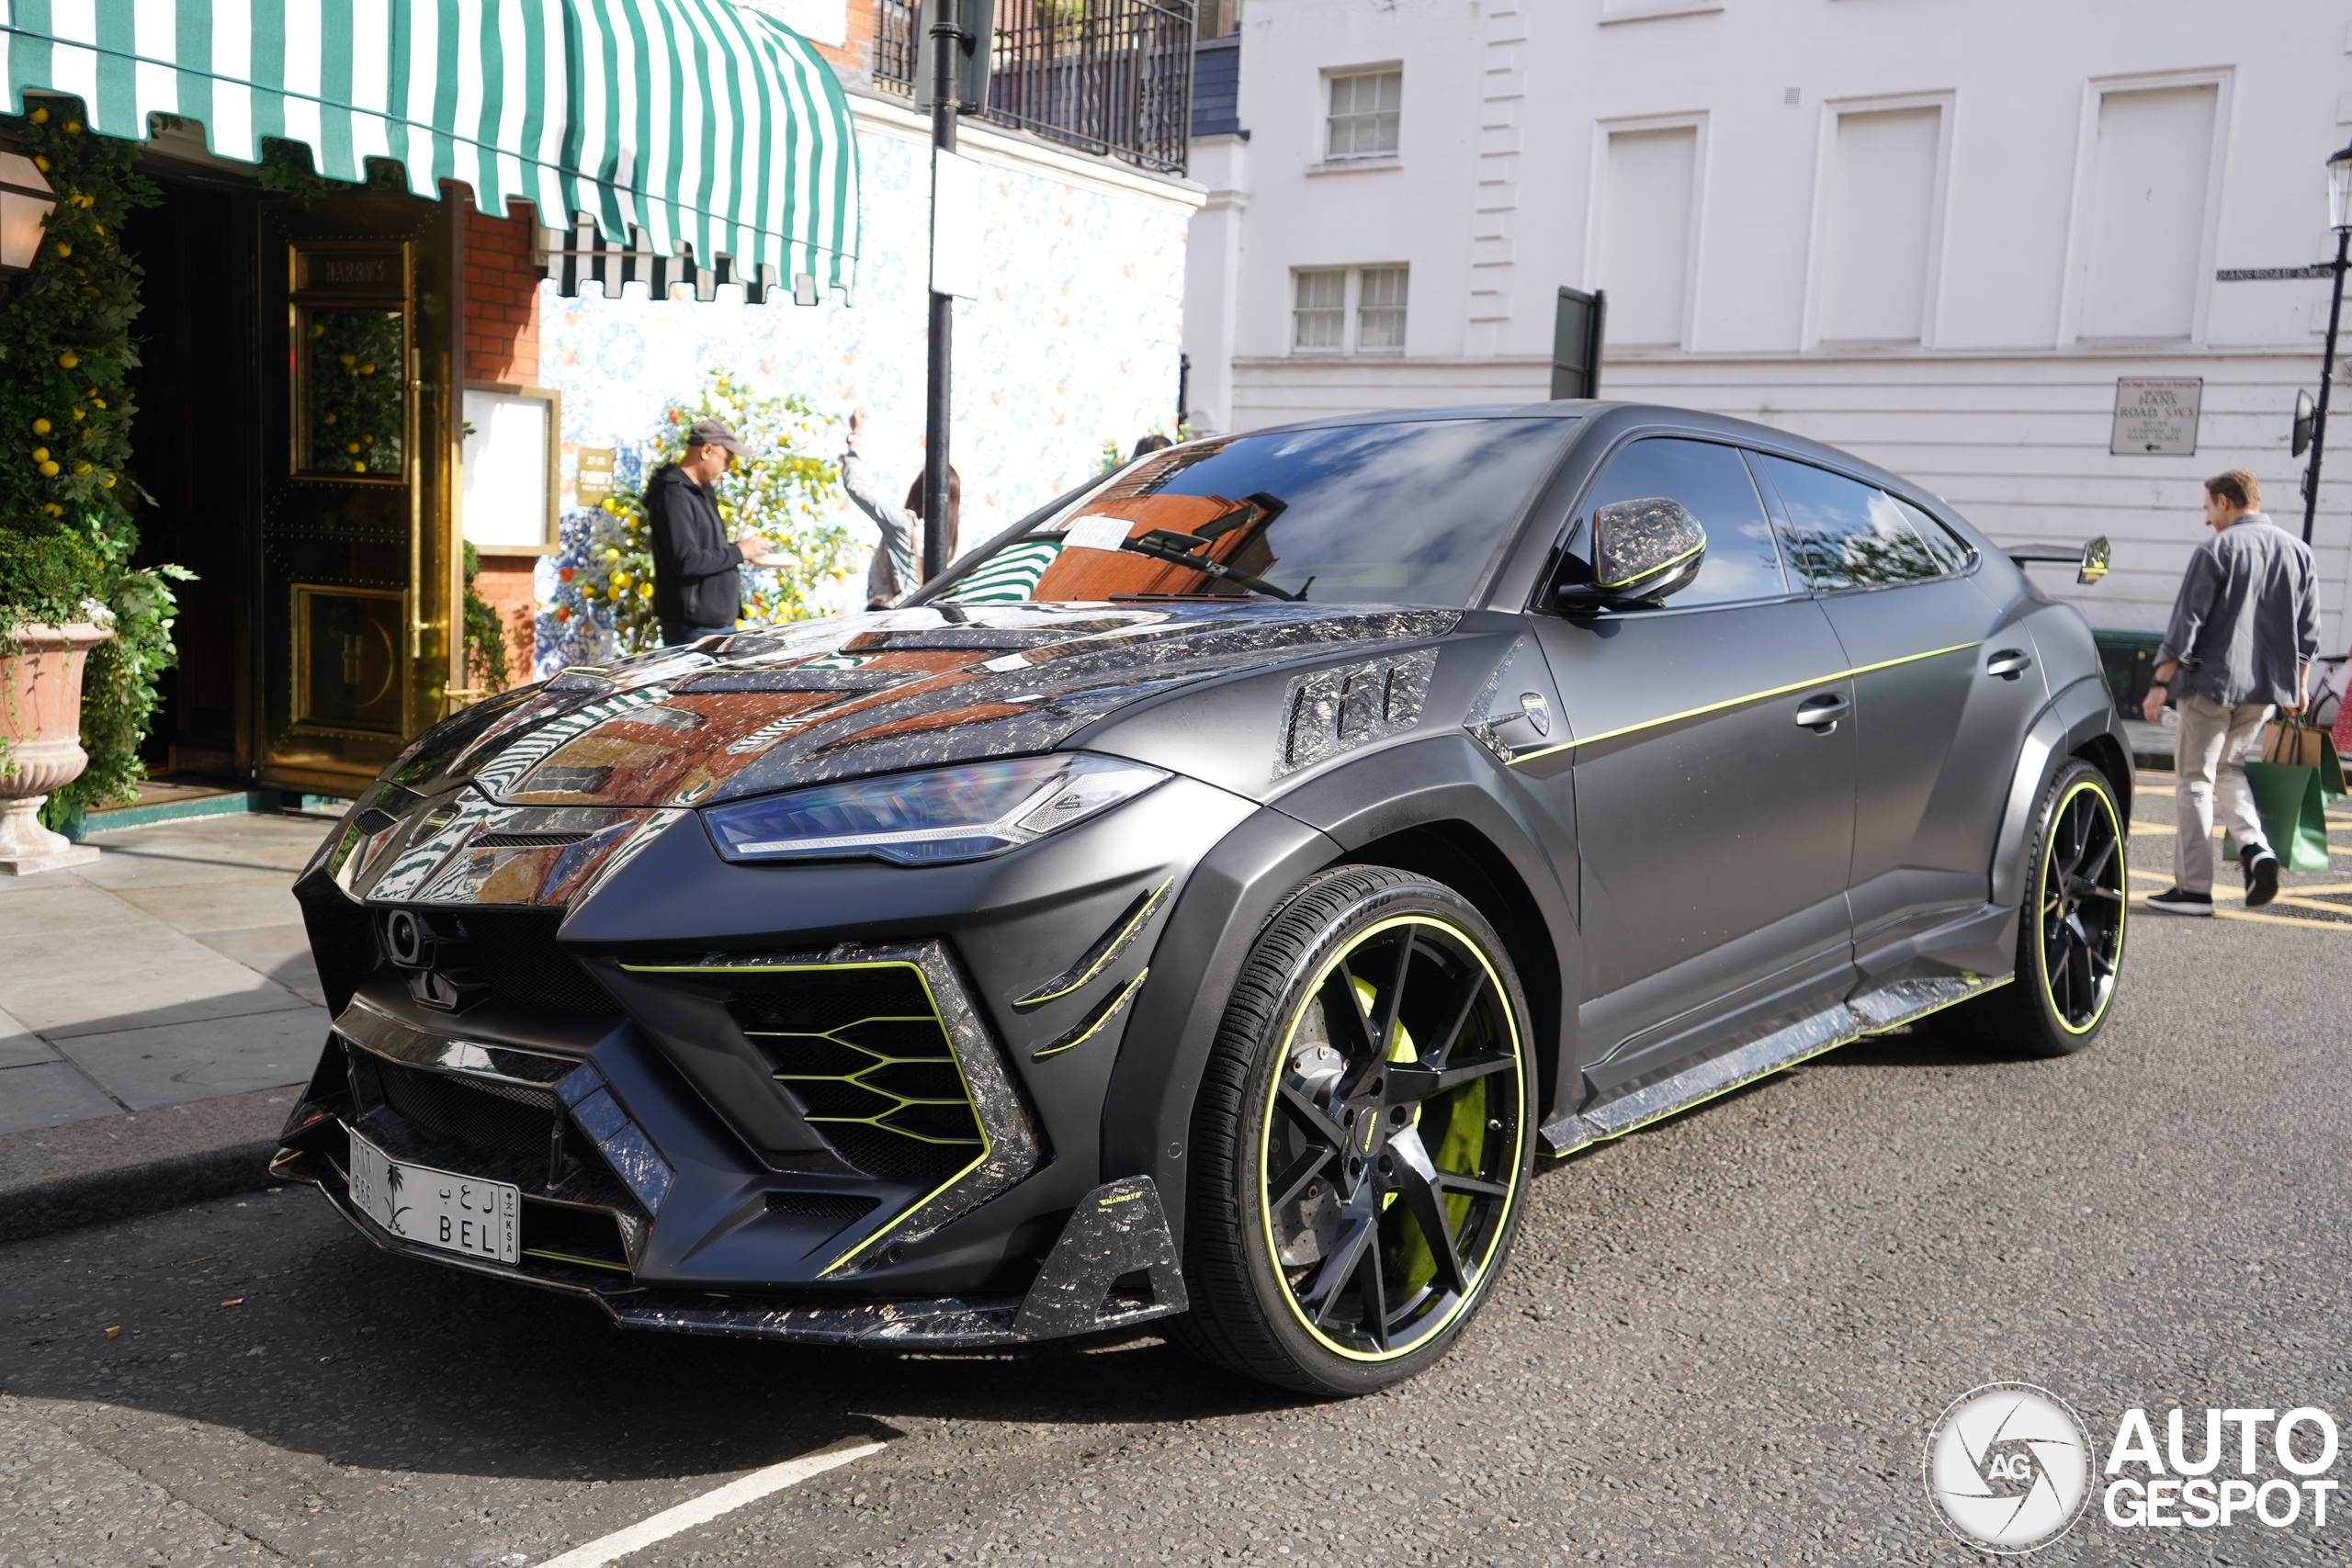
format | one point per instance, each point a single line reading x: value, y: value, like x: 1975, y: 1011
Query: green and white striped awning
x: 691, y: 123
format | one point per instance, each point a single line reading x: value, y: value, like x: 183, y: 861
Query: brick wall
x: 502, y: 300
x: 854, y: 61
x: 503, y: 344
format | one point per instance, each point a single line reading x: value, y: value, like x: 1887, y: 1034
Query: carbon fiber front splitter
x: 1114, y: 1265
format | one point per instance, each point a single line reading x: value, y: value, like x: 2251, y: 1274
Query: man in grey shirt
x: 2245, y: 629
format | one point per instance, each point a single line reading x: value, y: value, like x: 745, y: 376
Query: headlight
x: 928, y: 818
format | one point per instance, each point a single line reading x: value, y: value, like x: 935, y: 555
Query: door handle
x: 1821, y: 714
x: 2009, y: 663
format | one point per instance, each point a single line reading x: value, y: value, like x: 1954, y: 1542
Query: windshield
x: 1396, y: 513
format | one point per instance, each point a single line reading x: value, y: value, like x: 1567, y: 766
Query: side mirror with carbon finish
x: 1642, y: 551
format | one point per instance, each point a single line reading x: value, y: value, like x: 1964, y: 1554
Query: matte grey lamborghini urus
x: 1207, y: 901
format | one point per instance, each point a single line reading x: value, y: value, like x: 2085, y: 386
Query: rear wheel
x: 2070, y: 929
x: 1362, y: 1140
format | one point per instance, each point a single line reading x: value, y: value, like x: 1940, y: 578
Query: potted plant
x: 40, y: 731
x: 67, y: 540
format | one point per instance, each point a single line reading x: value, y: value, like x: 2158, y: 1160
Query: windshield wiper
x: 1164, y: 545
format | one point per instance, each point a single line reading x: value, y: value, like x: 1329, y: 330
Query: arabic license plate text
x: 436, y: 1208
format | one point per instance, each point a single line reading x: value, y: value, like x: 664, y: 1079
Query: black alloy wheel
x: 2070, y: 927
x: 1364, y: 1137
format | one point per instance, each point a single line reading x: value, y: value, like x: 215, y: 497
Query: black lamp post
x: 2339, y: 218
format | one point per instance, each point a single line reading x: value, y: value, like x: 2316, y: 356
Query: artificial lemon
x: 39, y: 116
x: 367, y: 370
x: 318, y: 329
x: 81, y: 468
x: 329, y: 419
x: 645, y: 591
x: 40, y: 454
x: 108, y: 481
x: 54, y: 509
x: 73, y: 127
x: 41, y: 164
x: 611, y: 554
x: 358, y: 468
x: 78, y: 415
x: 67, y: 360
x: 351, y: 447
x: 49, y: 470
x: 63, y: 249
x: 41, y: 427
x: 620, y: 580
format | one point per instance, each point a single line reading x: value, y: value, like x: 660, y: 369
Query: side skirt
x: 1872, y: 1012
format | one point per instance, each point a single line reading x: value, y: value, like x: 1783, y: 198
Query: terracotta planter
x: 40, y: 718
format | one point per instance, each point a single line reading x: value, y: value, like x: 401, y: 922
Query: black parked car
x: 1207, y: 901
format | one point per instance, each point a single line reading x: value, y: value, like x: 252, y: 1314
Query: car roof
x: 1614, y: 416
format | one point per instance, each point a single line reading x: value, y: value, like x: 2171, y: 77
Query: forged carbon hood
x: 758, y: 711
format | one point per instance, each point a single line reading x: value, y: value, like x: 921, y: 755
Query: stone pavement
x: 173, y: 970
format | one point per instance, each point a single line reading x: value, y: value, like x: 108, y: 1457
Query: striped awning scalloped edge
x: 691, y: 122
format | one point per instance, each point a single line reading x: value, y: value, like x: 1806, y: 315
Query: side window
x: 1841, y: 533
x: 1713, y: 486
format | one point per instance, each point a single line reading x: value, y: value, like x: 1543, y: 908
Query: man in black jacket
x: 697, y: 592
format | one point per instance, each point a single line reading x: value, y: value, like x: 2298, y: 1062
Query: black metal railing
x: 1112, y: 77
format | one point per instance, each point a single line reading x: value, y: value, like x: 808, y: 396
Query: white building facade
x: 1937, y: 235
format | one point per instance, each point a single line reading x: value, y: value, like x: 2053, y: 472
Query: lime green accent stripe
x: 584, y: 1262
x: 1655, y: 569
x: 1741, y: 702
x: 1110, y: 950
x: 1108, y: 1014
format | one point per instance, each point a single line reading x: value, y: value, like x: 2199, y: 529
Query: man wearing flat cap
x: 698, y: 593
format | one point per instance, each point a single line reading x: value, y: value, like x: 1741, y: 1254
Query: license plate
x: 436, y: 1208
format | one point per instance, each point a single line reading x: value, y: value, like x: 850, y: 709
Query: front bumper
x: 723, y: 1118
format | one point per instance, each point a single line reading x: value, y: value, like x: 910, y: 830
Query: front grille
x: 504, y: 1115
x: 517, y: 956
x: 863, y: 1050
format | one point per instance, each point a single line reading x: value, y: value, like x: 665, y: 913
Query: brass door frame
x: 315, y: 531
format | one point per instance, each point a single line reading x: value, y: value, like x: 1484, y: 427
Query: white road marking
x: 710, y: 1505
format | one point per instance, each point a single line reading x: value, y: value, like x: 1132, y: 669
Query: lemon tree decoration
x: 66, y: 356
x: 780, y: 493
x: 355, y: 391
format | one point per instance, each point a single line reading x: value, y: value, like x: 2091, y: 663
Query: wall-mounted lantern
x: 25, y: 200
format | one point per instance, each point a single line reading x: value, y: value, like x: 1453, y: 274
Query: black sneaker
x: 2261, y: 880
x: 2180, y: 901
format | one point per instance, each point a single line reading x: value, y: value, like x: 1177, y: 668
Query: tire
x: 1348, y: 1212
x: 2070, y: 929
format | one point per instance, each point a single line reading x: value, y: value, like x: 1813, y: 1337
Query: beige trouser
x: 2206, y: 743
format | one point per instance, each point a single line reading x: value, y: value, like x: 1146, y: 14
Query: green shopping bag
x: 2288, y: 738
x: 2293, y: 811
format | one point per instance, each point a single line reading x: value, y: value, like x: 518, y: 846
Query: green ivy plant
x: 780, y: 493
x: 485, y: 638
x: 66, y: 356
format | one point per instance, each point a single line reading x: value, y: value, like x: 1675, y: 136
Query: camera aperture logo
x: 2008, y: 1467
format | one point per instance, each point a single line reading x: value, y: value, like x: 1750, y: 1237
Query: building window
x: 1321, y: 312
x: 1362, y: 122
x: 1380, y: 308
x: 1348, y: 309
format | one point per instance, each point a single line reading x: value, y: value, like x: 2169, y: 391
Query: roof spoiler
x: 2089, y: 562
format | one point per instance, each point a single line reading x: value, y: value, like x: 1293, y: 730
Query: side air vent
x: 886, y: 1060
x: 864, y: 1053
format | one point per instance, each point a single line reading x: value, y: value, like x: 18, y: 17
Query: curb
x: 113, y: 1168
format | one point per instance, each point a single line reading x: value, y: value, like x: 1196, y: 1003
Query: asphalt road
x: 1723, y: 1339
